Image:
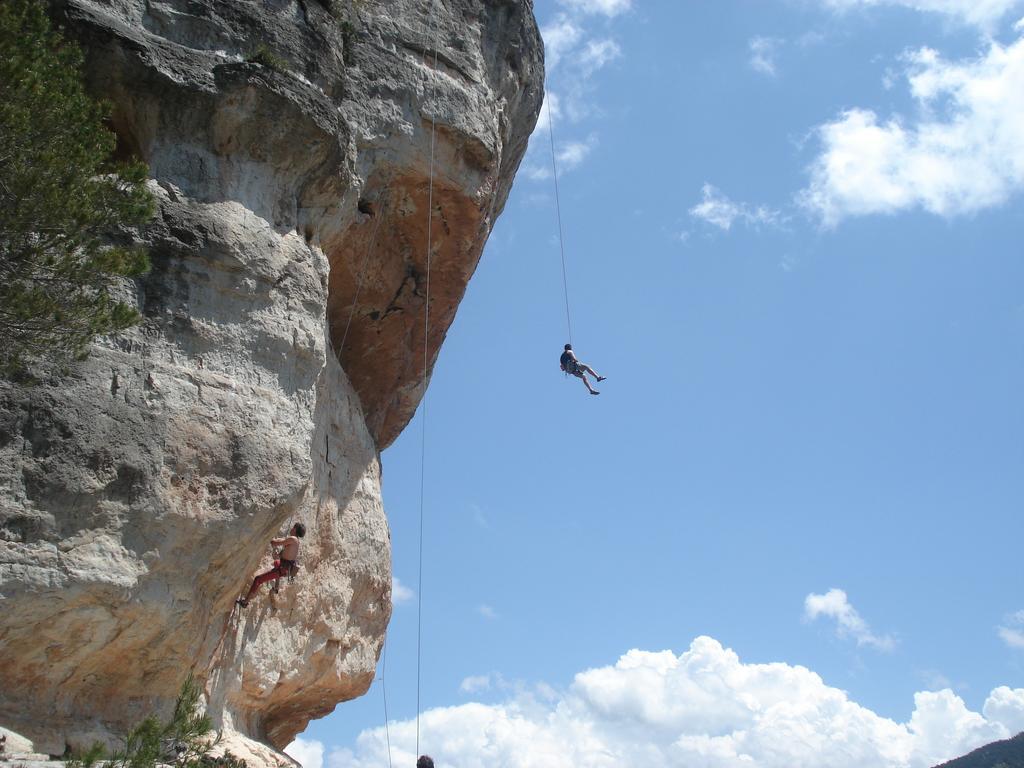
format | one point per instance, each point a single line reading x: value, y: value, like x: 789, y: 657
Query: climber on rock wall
x: 283, y: 566
x: 574, y: 367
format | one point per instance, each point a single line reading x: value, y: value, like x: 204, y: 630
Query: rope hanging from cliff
x: 384, y: 693
x: 426, y: 338
x: 558, y: 211
x: 362, y: 274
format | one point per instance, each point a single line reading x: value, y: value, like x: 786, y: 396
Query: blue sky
x: 788, y: 531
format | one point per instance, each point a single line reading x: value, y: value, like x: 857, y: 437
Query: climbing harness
x: 286, y: 569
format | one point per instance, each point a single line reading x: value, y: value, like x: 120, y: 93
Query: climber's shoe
x: 242, y: 602
x: 594, y: 392
x: 601, y: 378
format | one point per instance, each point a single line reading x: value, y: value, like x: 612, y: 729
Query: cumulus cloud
x: 309, y: 753
x: 1006, y: 706
x: 763, y: 51
x: 399, y: 592
x: 717, y: 209
x: 602, y: 7
x: 704, y: 708
x: 961, y: 153
x: 1012, y: 631
x: 983, y: 13
x: 836, y: 606
x: 945, y: 727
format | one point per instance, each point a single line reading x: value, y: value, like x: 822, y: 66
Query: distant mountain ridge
x: 1008, y: 753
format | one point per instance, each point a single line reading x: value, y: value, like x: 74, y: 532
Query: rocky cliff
x: 289, y: 144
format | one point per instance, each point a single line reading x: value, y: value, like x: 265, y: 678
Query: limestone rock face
x: 282, y: 349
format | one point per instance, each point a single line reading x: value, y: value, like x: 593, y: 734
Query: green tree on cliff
x: 60, y: 194
x: 184, y: 741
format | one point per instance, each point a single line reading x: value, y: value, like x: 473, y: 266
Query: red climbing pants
x: 280, y: 570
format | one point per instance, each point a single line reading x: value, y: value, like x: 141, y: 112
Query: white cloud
x: 983, y: 13
x: 574, y: 53
x: 934, y: 679
x: 963, y: 152
x: 945, y: 727
x: 602, y: 7
x: 566, y: 39
x: 572, y: 153
x: 399, y: 592
x: 475, y: 683
x: 835, y: 605
x: 701, y: 709
x: 1012, y: 633
x: 763, y: 51
x: 1006, y: 705
x: 487, y: 611
x: 496, y: 681
x: 596, y: 54
x: 569, y: 155
x: 717, y: 209
x: 548, y: 109
x: 560, y: 37
x: 1012, y: 637
x: 309, y: 753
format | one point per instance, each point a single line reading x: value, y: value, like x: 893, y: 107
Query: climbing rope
x: 558, y: 211
x: 384, y: 693
x: 362, y: 274
x: 338, y: 350
x: 426, y: 338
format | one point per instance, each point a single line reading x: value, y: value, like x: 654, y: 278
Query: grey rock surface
x: 281, y: 350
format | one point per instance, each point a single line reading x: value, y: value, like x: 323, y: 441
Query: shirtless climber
x: 283, y: 566
x: 572, y: 366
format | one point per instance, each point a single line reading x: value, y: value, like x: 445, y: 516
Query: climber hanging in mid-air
x: 574, y: 367
x: 284, y: 565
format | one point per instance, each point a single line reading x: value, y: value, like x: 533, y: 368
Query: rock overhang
x: 143, y: 488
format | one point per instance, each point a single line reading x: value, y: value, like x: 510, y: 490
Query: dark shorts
x: 581, y: 368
